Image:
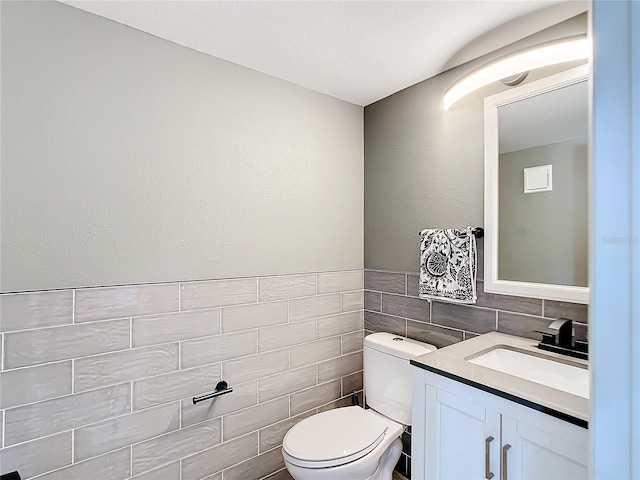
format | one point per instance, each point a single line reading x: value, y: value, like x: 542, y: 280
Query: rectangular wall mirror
x: 536, y: 188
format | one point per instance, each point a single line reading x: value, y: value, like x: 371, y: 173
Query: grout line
x: 131, y: 460
x: 130, y: 333
x: 73, y: 447
x: 496, y: 319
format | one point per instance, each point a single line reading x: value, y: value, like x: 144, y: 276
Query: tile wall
x: 97, y: 382
x: 391, y: 304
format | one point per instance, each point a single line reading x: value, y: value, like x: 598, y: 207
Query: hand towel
x: 448, y: 265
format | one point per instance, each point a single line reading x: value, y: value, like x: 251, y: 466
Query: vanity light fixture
x: 567, y: 50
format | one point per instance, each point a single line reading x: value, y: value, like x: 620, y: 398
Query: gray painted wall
x: 543, y: 236
x: 424, y: 167
x: 130, y: 159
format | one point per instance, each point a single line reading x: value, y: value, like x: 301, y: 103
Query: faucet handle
x: 547, y: 338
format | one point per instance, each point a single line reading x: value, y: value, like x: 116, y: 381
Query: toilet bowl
x: 352, y: 443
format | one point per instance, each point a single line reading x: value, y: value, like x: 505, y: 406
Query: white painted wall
x: 130, y: 159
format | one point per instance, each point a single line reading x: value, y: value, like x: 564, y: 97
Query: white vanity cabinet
x: 460, y: 432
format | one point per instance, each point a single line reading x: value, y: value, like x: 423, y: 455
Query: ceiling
x: 357, y: 51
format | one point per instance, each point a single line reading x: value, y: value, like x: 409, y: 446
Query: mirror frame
x: 492, y: 284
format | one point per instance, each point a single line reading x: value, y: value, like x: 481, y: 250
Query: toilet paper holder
x: 221, y: 388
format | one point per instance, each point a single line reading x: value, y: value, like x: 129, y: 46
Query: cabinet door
x: 543, y: 448
x: 459, y: 432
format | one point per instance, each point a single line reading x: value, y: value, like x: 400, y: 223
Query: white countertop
x: 452, y: 361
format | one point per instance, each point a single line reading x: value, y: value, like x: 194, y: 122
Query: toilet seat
x: 337, y: 437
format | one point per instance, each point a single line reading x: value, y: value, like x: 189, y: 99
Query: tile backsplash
x: 391, y: 304
x: 97, y: 382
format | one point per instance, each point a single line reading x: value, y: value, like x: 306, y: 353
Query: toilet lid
x: 336, y: 436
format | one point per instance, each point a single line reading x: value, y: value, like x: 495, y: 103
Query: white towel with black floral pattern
x: 448, y: 265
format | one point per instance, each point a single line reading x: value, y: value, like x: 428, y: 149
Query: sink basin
x: 561, y: 376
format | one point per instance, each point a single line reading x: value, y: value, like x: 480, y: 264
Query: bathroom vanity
x: 497, y: 407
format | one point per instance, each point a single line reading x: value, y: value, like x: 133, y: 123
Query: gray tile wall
x: 391, y: 304
x: 97, y: 382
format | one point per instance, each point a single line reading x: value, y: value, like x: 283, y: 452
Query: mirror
x: 536, y: 189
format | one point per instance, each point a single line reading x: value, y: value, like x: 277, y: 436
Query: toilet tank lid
x: 398, y: 346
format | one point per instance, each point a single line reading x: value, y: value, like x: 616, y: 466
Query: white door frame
x: 615, y: 241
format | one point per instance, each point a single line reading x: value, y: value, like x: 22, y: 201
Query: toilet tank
x: 387, y: 374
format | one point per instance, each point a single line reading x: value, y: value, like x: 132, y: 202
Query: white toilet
x: 351, y: 442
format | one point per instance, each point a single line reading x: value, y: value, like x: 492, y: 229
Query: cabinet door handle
x: 487, y: 458
x: 505, y: 449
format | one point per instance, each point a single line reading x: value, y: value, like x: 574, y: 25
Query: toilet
x: 351, y: 442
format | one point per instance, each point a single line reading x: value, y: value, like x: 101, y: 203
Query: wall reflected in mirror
x: 543, y: 214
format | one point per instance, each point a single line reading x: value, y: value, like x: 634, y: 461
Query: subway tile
x: 63, y: 343
x: 272, y: 435
x: 254, y: 316
x: 406, y: 307
x: 272, y: 338
x: 532, y: 306
x: 37, y: 457
x: 352, y: 301
x: 253, y: 418
x: 352, y: 342
x: 21, y: 311
x: 112, y: 368
x: 315, y: 396
x: 174, y: 327
x: 166, y: 472
x: 216, y: 293
x: 72, y: 411
x: 340, y: 281
x: 352, y: 383
x: 522, y: 325
x: 377, y: 322
x: 433, y: 334
x: 257, y: 467
x: 315, y: 352
x: 339, y: 367
x: 112, y: 466
x: 118, y: 432
x: 478, y: 320
x: 285, y: 383
x: 173, y: 446
x: 207, y: 350
x: 219, y: 457
x: 575, y: 311
x: 289, y: 286
x: 372, y: 301
x: 339, y: 403
x: 130, y: 301
x: 310, y: 307
x: 256, y: 366
x: 413, y: 284
x: 581, y: 331
x: 340, y: 324
x: 174, y: 386
x: 34, y: 384
x: 244, y: 395
x: 385, y: 282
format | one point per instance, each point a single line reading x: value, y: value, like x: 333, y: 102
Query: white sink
x: 561, y: 376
